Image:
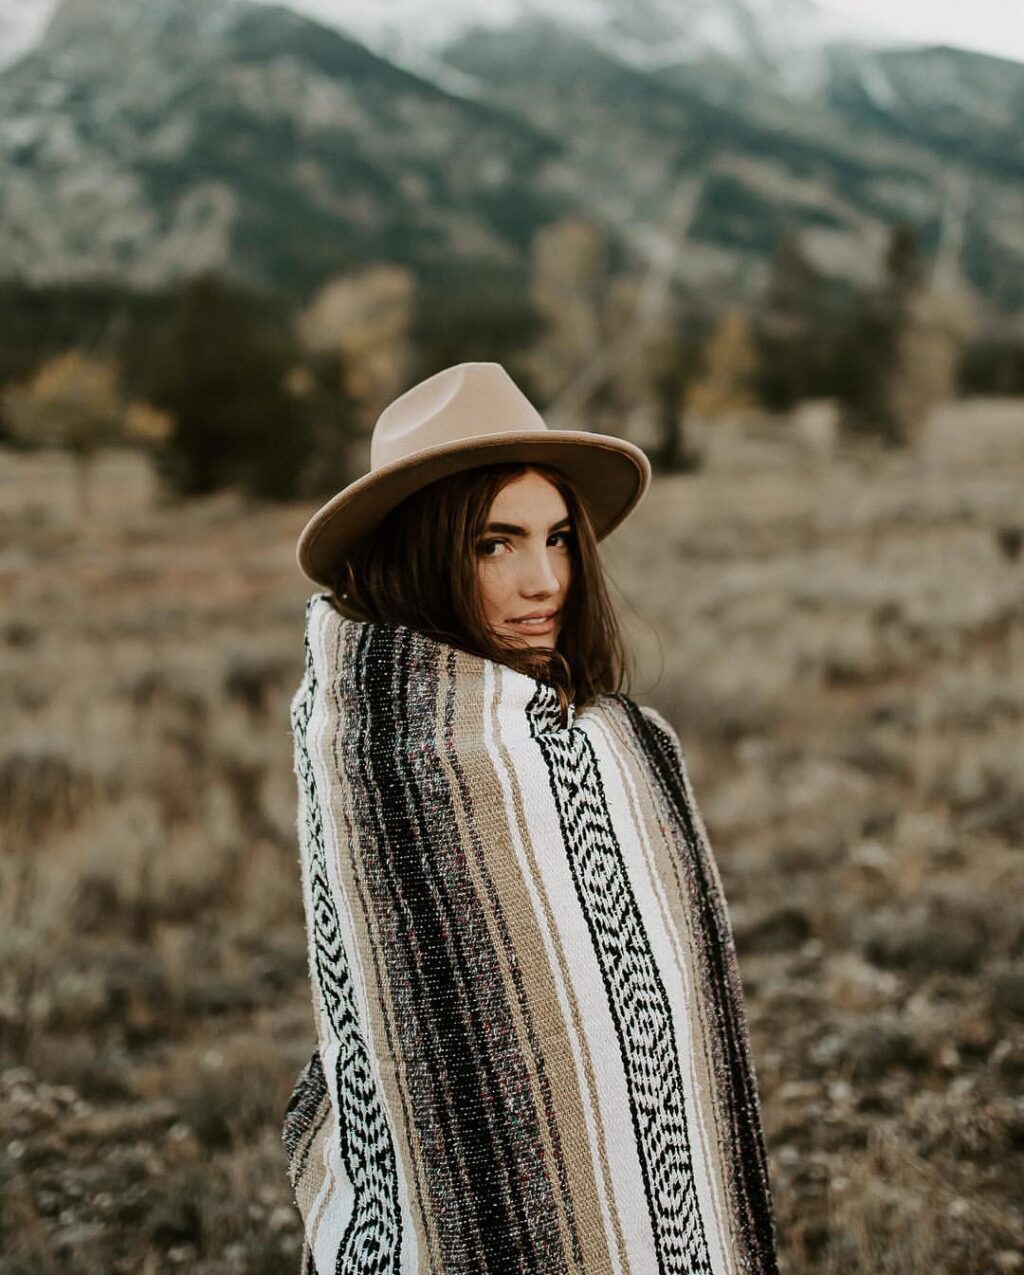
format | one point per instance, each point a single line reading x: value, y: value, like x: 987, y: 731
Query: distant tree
x: 654, y: 373
x: 613, y: 352
x: 937, y: 323
x: 994, y: 364
x: 905, y: 345
x: 673, y: 362
x: 568, y: 284
x: 73, y: 401
x: 792, y: 280
x: 337, y: 424
x: 789, y: 328
x: 481, y: 319
x: 39, y: 321
x: 223, y: 376
x: 730, y: 364
x: 905, y: 268
x: 147, y: 425
x: 362, y: 321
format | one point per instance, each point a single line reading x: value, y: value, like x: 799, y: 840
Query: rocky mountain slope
x: 145, y: 143
x: 142, y: 143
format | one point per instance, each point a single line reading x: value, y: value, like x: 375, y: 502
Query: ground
x: 837, y: 633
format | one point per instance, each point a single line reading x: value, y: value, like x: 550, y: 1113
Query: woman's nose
x: 538, y: 576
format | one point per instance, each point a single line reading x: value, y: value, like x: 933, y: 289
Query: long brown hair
x: 419, y: 568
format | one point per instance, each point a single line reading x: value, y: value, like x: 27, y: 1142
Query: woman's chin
x: 517, y: 639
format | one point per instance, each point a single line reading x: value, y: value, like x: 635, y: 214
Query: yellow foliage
x: 365, y: 317
x: 146, y: 424
x: 568, y: 280
x: 72, y: 401
x: 730, y: 362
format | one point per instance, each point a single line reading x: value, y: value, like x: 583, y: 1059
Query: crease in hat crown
x: 465, y: 401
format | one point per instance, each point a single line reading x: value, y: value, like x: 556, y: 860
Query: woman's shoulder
x: 657, y: 718
x: 643, y: 718
x: 664, y: 729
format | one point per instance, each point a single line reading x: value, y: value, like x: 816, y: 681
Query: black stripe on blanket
x: 410, y: 807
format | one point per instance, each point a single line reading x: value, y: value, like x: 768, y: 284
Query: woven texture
x: 532, y: 1050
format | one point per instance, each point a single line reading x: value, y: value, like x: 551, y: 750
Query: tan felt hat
x: 467, y: 415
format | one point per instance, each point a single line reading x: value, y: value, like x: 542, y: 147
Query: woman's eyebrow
x: 510, y: 529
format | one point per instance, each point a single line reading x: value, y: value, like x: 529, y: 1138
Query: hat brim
x: 610, y: 474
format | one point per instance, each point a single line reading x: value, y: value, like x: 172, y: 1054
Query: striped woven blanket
x: 532, y: 1049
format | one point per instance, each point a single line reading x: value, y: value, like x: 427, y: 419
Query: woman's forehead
x: 529, y: 495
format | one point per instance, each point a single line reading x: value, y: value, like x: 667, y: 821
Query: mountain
x: 142, y: 142
x: 928, y: 136
x: 967, y: 106
x: 781, y: 38
x: 22, y: 23
x: 145, y: 142
x: 779, y: 34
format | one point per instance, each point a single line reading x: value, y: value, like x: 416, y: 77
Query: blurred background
x: 779, y: 246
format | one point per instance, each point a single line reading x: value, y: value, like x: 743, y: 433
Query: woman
x: 532, y: 1052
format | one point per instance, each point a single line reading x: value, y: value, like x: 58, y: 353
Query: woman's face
x: 524, y: 560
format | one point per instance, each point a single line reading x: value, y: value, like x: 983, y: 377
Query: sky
x: 990, y: 26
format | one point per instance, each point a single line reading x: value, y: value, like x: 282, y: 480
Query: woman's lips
x: 544, y: 625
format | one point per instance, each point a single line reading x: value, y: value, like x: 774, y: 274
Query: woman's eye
x: 487, y: 547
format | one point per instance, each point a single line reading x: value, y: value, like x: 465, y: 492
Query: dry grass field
x: 838, y: 635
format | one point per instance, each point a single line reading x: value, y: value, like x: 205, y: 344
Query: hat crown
x: 468, y: 400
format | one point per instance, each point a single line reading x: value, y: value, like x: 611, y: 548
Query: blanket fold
x: 532, y: 1050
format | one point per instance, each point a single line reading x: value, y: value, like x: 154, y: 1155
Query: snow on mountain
x: 22, y: 22
x: 145, y: 139
x: 779, y: 36
x: 143, y: 142
x: 784, y: 37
